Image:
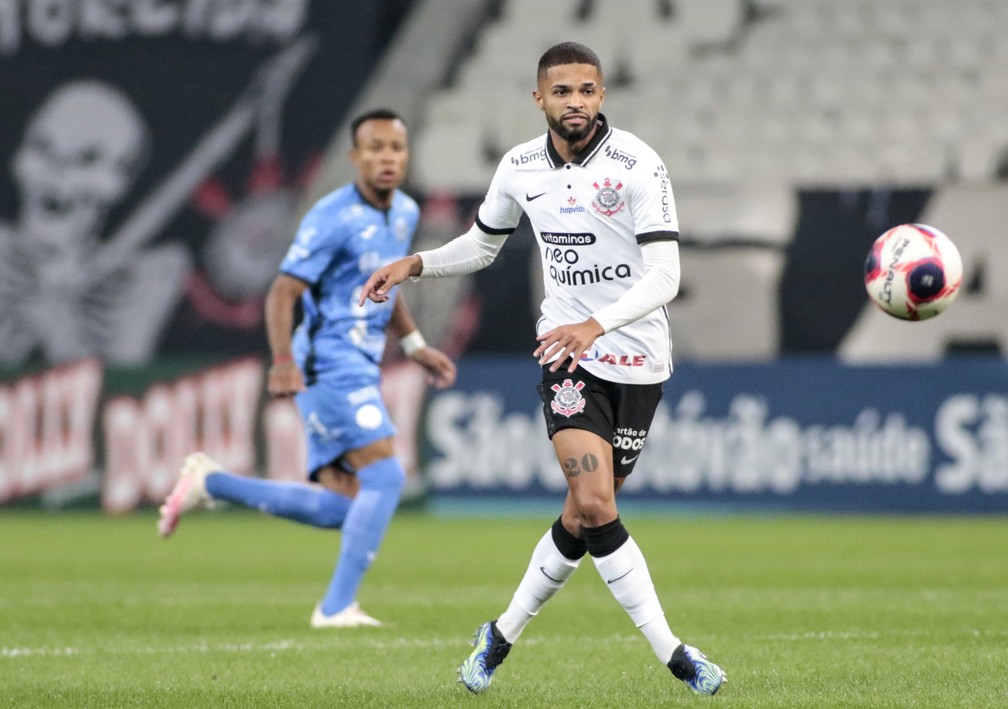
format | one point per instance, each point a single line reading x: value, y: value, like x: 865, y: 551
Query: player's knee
x: 338, y: 481
x: 386, y: 474
x: 595, y: 510
x: 331, y: 511
x: 570, y: 544
x: 606, y: 538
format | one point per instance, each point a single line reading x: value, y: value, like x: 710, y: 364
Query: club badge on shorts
x: 568, y: 400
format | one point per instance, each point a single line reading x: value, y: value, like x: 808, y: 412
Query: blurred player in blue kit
x: 599, y: 202
x: 331, y: 368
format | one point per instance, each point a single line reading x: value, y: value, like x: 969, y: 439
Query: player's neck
x: 379, y: 199
x: 568, y: 151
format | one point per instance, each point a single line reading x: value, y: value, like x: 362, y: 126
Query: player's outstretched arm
x: 384, y: 279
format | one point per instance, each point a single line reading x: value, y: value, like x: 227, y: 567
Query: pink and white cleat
x: 189, y: 492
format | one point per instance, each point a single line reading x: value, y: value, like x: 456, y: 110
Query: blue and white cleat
x: 491, y: 649
x: 692, y: 667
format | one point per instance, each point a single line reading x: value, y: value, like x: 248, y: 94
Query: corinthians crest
x: 568, y: 400
x: 608, y: 200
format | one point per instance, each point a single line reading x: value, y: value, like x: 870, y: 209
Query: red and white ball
x: 913, y: 272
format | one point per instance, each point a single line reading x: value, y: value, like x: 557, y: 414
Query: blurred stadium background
x: 158, y: 157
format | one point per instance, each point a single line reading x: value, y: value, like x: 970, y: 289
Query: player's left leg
x: 381, y: 479
x: 554, y: 560
x: 620, y: 561
x: 203, y: 481
x: 588, y: 464
x: 557, y: 555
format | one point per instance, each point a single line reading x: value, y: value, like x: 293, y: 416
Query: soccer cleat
x: 350, y: 617
x: 491, y: 649
x: 692, y: 667
x: 189, y: 492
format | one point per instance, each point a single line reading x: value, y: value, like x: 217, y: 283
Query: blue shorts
x: 341, y: 416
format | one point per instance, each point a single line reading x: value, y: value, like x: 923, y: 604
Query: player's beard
x: 572, y: 135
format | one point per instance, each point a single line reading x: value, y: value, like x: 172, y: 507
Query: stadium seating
x: 798, y: 92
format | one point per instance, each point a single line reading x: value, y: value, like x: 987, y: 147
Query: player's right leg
x: 554, y: 560
x: 203, y: 480
x: 381, y: 480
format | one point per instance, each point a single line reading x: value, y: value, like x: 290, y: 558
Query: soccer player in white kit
x: 602, y: 210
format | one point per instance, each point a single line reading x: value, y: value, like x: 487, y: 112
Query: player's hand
x: 567, y: 341
x: 383, y: 280
x: 440, y: 369
x: 284, y: 379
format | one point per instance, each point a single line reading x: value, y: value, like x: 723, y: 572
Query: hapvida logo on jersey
x: 572, y: 207
x: 608, y: 200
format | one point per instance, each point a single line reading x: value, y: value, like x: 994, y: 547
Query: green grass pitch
x: 801, y: 611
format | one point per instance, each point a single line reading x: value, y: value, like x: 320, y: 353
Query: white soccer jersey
x: 590, y: 217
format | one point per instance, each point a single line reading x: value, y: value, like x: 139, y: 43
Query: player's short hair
x: 567, y: 53
x: 375, y: 114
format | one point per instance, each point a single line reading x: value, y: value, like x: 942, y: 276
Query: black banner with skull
x: 155, y: 154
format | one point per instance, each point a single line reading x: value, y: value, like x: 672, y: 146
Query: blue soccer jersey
x: 339, y: 243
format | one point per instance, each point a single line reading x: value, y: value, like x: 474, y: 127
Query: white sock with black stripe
x: 547, y: 572
x: 626, y: 574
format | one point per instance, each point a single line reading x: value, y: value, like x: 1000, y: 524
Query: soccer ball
x: 913, y: 272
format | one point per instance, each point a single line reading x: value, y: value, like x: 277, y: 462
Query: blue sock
x: 381, y: 484
x: 308, y: 504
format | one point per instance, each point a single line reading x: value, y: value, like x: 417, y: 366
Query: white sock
x: 663, y: 640
x: 547, y: 572
x: 626, y: 574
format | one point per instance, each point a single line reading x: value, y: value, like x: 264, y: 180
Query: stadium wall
x: 802, y: 434
x: 796, y: 434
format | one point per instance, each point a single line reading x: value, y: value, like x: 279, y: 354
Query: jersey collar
x: 582, y: 158
x: 365, y: 201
